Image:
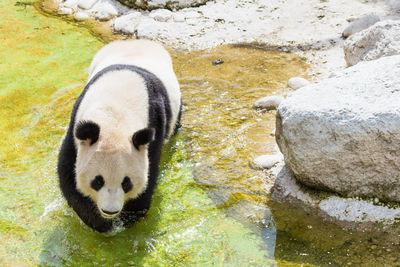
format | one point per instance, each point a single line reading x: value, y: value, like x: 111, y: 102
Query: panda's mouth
x: 109, y: 215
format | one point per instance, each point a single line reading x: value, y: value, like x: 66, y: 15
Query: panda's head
x: 111, y: 168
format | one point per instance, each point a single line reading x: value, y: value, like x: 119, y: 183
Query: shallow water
x: 210, y: 208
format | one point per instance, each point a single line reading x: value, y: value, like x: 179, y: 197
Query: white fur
x: 118, y: 103
x: 148, y: 55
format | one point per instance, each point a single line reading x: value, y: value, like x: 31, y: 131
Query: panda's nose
x: 109, y: 212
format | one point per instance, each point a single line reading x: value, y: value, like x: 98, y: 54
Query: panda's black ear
x: 143, y: 137
x: 87, y: 130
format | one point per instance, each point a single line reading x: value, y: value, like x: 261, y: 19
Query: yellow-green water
x: 209, y: 209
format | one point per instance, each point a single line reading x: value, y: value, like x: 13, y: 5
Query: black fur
x: 159, y: 118
x: 143, y: 137
x: 97, y: 183
x: 87, y: 130
x: 127, y: 184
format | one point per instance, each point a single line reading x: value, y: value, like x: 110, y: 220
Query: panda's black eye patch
x: 126, y: 184
x: 97, y: 182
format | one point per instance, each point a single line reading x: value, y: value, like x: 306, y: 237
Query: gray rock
x: 343, y: 134
x: 127, y: 23
x: 360, y: 24
x: 161, y: 15
x: 269, y: 102
x: 154, y: 4
x: 266, y: 161
x: 394, y: 6
x: 86, y: 4
x: 382, y: 39
x: 333, y: 208
x: 297, y: 82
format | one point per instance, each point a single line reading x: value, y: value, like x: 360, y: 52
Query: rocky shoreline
x: 314, y: 29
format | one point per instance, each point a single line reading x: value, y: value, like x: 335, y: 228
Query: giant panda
x: 109, y: 159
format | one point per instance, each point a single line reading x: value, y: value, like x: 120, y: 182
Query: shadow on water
x: 302, y: 237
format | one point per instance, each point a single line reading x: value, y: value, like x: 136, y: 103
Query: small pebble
x: 81, y: 15
x: 217, y: 62
x: 360, y: 24
x: 104, y: 11
x: 127, y: 23
x: 269, y: 102
x: 266, y: 161
x: 297, y: 82
x: 66, y: 10
x: 86, y: 4
x: 70, y: 4
x: 161, y: 15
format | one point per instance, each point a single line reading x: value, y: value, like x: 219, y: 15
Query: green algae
x: 42, y: 72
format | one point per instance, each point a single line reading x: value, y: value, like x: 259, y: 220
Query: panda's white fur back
x: 148, y: 55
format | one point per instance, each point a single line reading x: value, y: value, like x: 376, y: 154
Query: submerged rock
x: 360, y: 24
x: 154, y: 4
x: 329, y: 206
x: 343, y: 134
x: 297, y: 82
x: 269, y: 102
x: 382, y: 39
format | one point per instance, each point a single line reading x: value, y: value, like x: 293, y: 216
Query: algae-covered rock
x: 343, y: 134
x: 169, y: 4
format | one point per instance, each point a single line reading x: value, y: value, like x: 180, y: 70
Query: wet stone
x: 297, y: 82
x: 269, y: 102
x: 66, y: 10
x: 266, y: 161
x: 81, y: 15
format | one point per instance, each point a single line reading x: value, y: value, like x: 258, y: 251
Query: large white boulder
x: 381, y: 39
x: 343, y: 134
x: 154, y: 4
